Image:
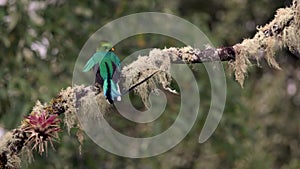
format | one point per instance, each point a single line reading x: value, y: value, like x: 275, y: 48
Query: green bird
x: 107, y: 68
x: 105, y: 64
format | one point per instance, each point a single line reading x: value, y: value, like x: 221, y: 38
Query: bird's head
x: 105, y: 47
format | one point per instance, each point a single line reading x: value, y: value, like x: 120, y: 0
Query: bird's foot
x: 98, y: 88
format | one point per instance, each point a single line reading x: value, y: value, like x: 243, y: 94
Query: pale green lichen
x: 143, y: 67
x: 94, y: 106
x: 69, y: 105
x: 241, y: 63
x: 282, y: 31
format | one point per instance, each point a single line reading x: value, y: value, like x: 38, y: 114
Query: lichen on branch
x: 282, y: 32
x: 42, y: 125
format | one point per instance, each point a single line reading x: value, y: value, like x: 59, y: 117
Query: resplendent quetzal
x: 106, y: 66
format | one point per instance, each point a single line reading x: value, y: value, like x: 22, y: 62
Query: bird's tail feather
x: 139, y: 83
x: 111, y: 90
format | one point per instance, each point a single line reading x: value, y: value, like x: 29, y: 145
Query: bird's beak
x: 112, y: 49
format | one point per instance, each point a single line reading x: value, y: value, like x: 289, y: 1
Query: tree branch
x: 281, y: 32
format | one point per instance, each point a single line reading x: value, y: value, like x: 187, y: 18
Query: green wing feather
x: 96, y: 58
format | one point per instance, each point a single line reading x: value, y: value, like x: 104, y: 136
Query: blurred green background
x: 39, y: 44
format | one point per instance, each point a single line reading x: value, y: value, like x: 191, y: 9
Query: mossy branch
x: 42, y: 125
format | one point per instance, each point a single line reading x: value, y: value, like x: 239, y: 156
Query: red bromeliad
x: 41, y: 128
